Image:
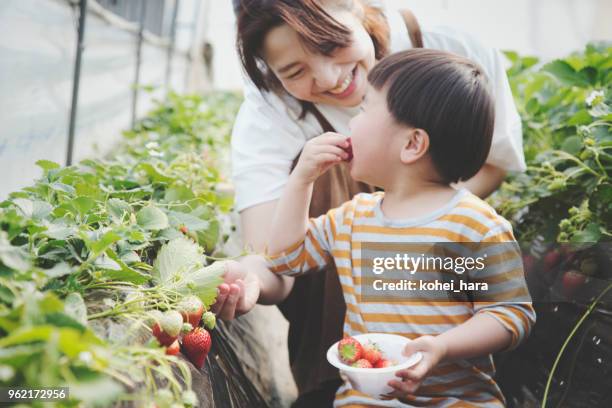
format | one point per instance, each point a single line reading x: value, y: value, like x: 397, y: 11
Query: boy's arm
x: 503, y: 317
x: 290, y: 221
x: 480, y: 335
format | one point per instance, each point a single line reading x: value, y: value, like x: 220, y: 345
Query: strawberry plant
x: 561, y: 210
x: 91, y: 253
x: 566, y: 109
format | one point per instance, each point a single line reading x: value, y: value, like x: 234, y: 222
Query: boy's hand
x: 319, y: 154
x: 433, y: 350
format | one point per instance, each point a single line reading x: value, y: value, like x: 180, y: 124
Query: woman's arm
x: 255, y: 223
x: 249, y: 281
x: 485, y: 182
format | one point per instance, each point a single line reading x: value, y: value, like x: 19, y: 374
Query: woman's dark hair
x: 316, y: 28
x: 447, y: 96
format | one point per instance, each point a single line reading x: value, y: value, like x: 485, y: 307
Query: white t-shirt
x: 268, y: 135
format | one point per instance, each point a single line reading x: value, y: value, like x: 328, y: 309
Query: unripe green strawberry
x: 190, y: 398
x: 209, y: 319
x: 164, y: 398
x: 168, y: 327
x: 588, y: 266
x: 154, y: 316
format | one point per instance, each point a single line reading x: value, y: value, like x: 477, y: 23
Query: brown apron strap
x: 414, y: 30
x: 313, y: 329
x: 327, y: 127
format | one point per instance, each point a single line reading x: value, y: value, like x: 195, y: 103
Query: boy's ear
x: 416, y: 146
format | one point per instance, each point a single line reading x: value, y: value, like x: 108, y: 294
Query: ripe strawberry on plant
x: 349, y: 350
x: 167, y: 327
x: 572, y: 280
x: 191, y: 309
x: 173, y: 349
x: 362, y: 363
x: 528, y: 264
x: 372, y: 353
x: 196, y: 346
x: 382, y: 363
x: 551, y: 260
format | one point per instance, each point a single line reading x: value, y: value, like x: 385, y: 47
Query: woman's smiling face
x: 338, y: 79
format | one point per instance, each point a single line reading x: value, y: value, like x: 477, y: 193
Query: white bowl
x: 373, y: 381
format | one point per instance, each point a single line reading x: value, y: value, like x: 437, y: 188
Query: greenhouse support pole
x: 135, y: 90
x: 193, y: 27
x: 171, y: 45
x: 76, y: 80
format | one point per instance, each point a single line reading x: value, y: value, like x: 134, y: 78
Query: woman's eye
x: 295, y: 74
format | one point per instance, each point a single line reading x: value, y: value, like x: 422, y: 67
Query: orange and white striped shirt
x: 339, y: 237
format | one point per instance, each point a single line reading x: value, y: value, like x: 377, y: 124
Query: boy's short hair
x: 447, y: 96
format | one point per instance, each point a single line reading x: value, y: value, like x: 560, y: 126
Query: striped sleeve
x: 507, y: 298
x: 313, y: 252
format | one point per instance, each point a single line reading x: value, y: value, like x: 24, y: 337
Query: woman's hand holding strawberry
x: 238, y: 293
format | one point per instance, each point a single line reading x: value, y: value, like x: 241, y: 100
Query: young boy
x: 427, y: 122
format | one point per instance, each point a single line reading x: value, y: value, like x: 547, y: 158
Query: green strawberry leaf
x: 47, y: 165
x: 74, y: 306
x: 152, y: 218
x: 176, y: 257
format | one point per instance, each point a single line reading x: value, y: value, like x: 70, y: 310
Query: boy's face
x: 375, y: 139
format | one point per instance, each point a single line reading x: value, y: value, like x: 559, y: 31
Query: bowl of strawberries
x: 371, y: 360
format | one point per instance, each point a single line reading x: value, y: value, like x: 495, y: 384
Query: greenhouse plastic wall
x: 37, y: 60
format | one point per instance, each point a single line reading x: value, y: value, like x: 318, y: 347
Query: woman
x: 307, y: 63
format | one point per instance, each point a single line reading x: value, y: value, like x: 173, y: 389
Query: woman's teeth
x: 345, y: 84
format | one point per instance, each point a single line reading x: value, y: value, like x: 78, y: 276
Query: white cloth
x: 268, y: 135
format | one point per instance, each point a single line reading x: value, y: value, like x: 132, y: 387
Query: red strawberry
x: 349, y: 350
x: 349, y: 150
x: 528, y: 264
x: 571, y: 281
x: 372, y: 353
x: 197, y: 345
x: 167, y: 327
x: 382, y: 363
x: 191, y: 309
x: 183, y: 229
x: 173, y: 349
x: 362, y: 363
x: 552, y: 259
